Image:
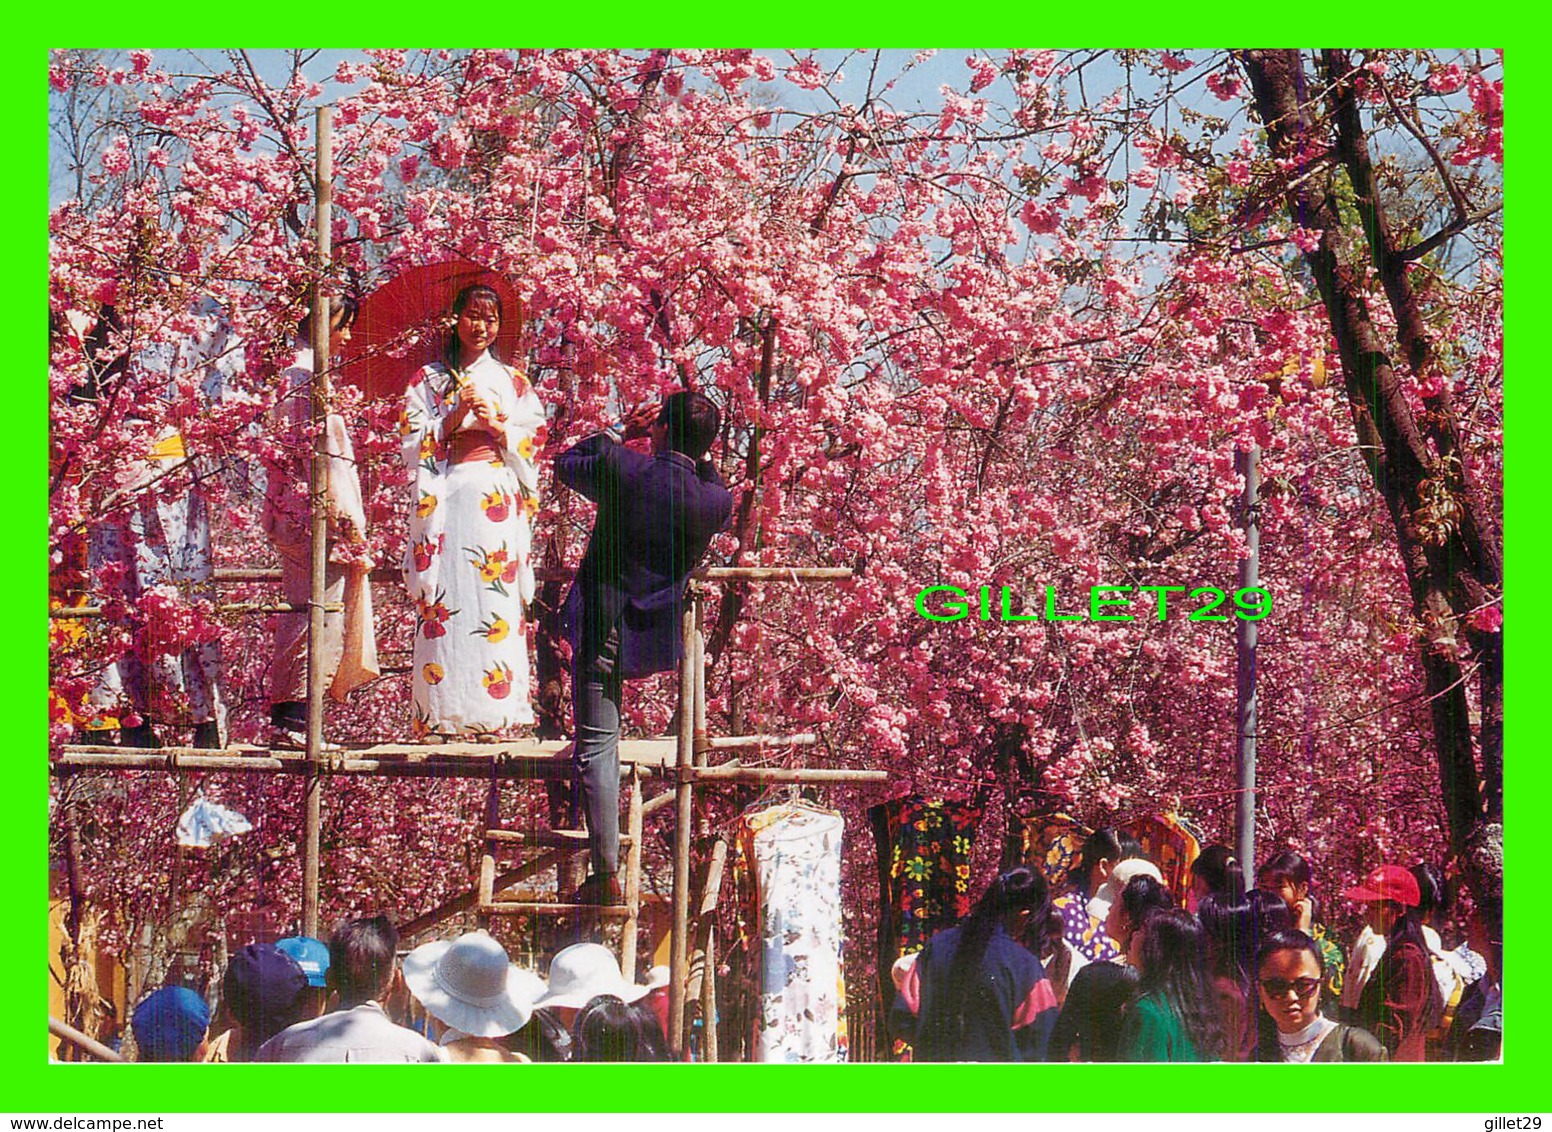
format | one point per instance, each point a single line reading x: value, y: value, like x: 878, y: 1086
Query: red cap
x: 1388, y: 882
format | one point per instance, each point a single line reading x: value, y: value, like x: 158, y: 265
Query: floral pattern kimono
x: 466, y: 562
x: 162, y: 536
x: 789, y: 863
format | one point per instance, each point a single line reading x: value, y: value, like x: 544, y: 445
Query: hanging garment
x: 789, y: 859
x: 161, y: 535
x: 1052, y: 844
x: 923, y: 876
x: 1169, y: 844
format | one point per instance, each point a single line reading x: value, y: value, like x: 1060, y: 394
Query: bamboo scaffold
x: 684, y: 758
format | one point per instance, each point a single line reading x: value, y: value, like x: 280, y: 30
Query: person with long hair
x: 1234, y: 932
x: 1454, y: 970
x: 974, y: 993
x: 608, y: 1029
x: 1288, y: 875
x: 1291, y: 1025
x: 1215, y: 870
x: 470, y: 427
x: 349, y: 659
x: 1401, y: 1002
x: 1174, y: 1016
x: 1085, y: 930
x: 1143, y: 895
x: 1089, y: 1026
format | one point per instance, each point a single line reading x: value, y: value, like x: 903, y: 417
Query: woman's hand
x: 1304, y: 914
x: 484, y: 412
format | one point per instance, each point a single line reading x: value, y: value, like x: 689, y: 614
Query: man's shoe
x: 602, y: 889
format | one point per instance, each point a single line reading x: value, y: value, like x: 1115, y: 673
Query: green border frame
x: 31, y: 1085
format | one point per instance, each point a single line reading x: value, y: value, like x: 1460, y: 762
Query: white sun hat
x: 1110, y: 891
x: 529, y: 985
x: 582, y: 972
x: 468, y: 983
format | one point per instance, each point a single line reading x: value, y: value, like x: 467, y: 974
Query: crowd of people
x: 1121, y: 969
x: 355, y: 999
x: 1220, y: 974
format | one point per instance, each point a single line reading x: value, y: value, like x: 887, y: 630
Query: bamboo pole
x: 745, y: 742
x: 86, y: 612
x: 772, y: 573
x: 191, y: 760
x: 769, y: 775
x: 706, y: 925
x: 632, y: 878
x: 678, y: 950
x: 700, y: 743
x: 80, y: 1040
x: 709, y: 996
x: 545, y: 908
x: 323, y: 192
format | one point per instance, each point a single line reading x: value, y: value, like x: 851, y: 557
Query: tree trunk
x: 1450, y: 540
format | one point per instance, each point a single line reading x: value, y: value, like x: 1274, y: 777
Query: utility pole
x: 1246, y: 463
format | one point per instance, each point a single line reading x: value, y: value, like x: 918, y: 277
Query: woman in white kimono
x: 470, y: 427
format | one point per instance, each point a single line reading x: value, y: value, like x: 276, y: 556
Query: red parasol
x: 384, y: 353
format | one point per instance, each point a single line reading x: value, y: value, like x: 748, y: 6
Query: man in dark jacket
x: 656, y: 516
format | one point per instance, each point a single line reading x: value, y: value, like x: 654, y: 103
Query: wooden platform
x: 523, y: 758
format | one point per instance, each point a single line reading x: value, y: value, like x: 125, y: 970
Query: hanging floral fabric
x: 1052, y: 843
x: 924, y: 878
x: 789, y: 866
x: 1171, y: 845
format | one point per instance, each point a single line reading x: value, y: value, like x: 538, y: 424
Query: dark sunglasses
x: 1279, y: 988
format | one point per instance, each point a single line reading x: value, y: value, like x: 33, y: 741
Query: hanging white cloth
x: 205, y: 822
x: 793, y: 852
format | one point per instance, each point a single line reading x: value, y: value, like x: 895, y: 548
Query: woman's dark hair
x: 475, y: 292
x: 1219, y: 870
x: 608, y: 1030
x: 1110, y: 844
x: 1044, y: 937
x: 1013, y: 891
x: 343, y: 309
x: 1142, y: 897
x: 1434, y: 891
x: 1091, y: 1016
x: 1172, y: 968
x: 1234, y: 933
x: 543, y: 1039
x: 1285, y: 865
x: 1271, y: 911
x: 1267, y: 1046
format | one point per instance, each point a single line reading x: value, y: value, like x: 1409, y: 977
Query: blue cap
x: 311, y: 955
x: 262, y: 987
x: 169, y: 1024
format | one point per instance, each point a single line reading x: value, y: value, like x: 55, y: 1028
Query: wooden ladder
x: 554, y: 847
